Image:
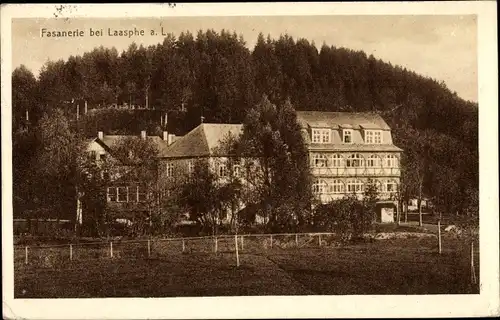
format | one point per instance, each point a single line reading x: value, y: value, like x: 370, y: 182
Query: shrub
x: 348, y: 217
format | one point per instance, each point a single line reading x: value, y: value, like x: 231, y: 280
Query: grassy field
x: 398, y: 266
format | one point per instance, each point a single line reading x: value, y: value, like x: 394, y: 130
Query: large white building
x: 349, y: 150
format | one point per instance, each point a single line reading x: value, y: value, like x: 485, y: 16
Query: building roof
x: 201, y: 141
x: 111, y: 140
x: 336, y: 120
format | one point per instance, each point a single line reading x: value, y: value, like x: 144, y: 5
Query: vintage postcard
x: 249, y: 160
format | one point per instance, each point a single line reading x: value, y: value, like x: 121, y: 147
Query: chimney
x: 165, y: 136
x: 100, y: 135
x: 143, y: 134
x: 202, y: 118
x: 171, y: 138
x: 165, y: 122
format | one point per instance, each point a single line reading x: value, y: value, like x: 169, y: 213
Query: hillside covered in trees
x: 214, y: 75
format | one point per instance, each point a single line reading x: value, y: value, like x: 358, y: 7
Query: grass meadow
x: 291, y: 266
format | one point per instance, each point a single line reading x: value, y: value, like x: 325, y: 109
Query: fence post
x: 297, y: 240
x: 111, y: 249
x: 237, y: 254
x: 439, y: 236
x: 242, y: 243
x: 26, y: 255
x: 71, y: 252
x: 271, y: 241
x: 215, y: 249
x: 183, y: 245
x: 149, y: 248
x: 319, y: 239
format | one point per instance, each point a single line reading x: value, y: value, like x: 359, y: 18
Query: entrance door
x: 387, y: 215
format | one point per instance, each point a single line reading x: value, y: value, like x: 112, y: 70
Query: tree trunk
x: 398, y: 212
x: 406, y: 210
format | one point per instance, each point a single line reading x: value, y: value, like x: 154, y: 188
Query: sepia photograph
x: 257, y: 154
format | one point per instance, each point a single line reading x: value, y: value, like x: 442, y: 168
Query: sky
x: 443, y: 47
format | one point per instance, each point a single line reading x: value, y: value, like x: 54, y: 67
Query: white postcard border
x: 266, y: 306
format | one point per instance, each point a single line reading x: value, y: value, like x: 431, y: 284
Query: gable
x: 201, y: 141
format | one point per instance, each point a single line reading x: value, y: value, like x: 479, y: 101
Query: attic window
x: 321, y: 135
x: 373, y: 136
x: 347, y: 136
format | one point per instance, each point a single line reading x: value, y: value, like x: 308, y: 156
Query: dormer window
x: 373, y: 136
x: 347, y: 136
x: 321, y: 136
x: 92, y: 155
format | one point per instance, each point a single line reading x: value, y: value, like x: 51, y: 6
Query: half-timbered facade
x: 349, y: 150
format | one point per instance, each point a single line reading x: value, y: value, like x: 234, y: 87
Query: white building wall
x: 97, y: 148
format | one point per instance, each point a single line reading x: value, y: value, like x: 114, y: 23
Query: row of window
x: 222, y: 169
x: 126, y: 194
x: 324, y: 136
x: 350, y: 186
x: 320, y: 160
x: 94, y: 155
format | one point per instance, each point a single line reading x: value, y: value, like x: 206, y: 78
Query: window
x: 373, y: 161
x: 103, y: 157
x: 391, y: 186
x: 391, y: 161
x: 319, y: 186
x: 141, y: 194
x: 336, y: 161
x: 222, y: 170
x: 321, y: 135
x: 170, y: 169
x: 111, y: 194
x: 316, y: 136
x: 92, y: 155
x: 373, y: 136
x: 354, y: 160
x: 325, y: 136
x: 354, y: 186
x: 190, y: 167
x: 337, y: 186
x: 127, y: 194
x: 347, y: 135
x: 319, y: 160
x: 132, y: 194
x: 122, y: 194
x: 237, y: 170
